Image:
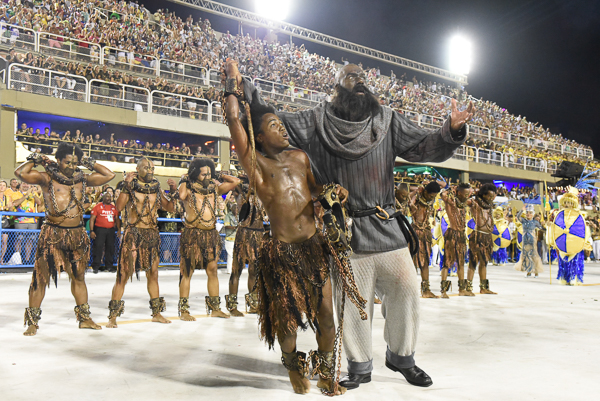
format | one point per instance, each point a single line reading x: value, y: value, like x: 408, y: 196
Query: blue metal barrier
x: 19, y: 246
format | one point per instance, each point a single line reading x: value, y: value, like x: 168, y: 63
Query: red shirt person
x: 104, y: 221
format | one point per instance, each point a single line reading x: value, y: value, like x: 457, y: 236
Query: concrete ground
x: 533, y: 341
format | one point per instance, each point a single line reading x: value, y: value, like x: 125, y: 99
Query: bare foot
x: 89, y: 324
x: 300, y: 383
x: 236, y: 313
x: 465, y: 293
x: 112, y: 323
x: 31, y: 331
x: 428, y: 294
x: 484, y: 291
x: 377, y: 301
x: 187, y: 317
x: 160, y: 319
x: 219, y: 313
x: 444, y: 295
x: 327, y: 386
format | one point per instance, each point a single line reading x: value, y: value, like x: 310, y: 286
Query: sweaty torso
x: 483, y: 216
x: 456, y: 215
x: 200, y: 210
x: 62, y: 208
x: 286, y: 196
x: 143, y: 212
x: 421, y: 211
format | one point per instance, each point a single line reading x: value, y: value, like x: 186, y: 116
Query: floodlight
x: 461, y: 55
x: 273, y: 9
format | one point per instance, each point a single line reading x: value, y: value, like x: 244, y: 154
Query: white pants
x: 229, y: 249
x: 392, y: 275
x: 596, y: 248
x: 435, y: 258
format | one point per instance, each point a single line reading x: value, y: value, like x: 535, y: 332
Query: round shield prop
x: 568, y: 231
x: 501, y: 235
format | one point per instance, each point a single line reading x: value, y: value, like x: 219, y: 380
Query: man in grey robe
x: 353, y: 141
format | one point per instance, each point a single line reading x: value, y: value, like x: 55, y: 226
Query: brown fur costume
x: 139, y: 251
x: 425, y: 237
x: 455, y: 247
x: 198, y: 248
x: 480, y: 247
x: 60, y: 247
x: 246, y: 247
x: 290, y: 280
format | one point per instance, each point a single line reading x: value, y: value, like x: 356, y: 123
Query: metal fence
x: 47, y: 82
x: 179, y: 105
x: 118, y: 95
x: 19, y: 246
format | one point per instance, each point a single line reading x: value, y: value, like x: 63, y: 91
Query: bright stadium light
x: 461, y: 55
x: 273, y: 9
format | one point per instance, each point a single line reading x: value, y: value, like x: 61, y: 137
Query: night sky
x: 537, y: 58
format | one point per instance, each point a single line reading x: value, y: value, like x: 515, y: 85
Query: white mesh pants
x: 392, y: 275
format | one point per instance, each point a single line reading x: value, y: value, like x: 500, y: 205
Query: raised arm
x: 417, y: 144
x: 239, y: 137
x: 124, y: 196
x: 100, y: 174
x: 229, y: 184
x: 25, y: 171
x: 168, y: 204
x: 301, y: 126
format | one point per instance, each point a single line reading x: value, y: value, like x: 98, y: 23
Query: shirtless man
x: 140, y: 200
x: 481, y: 243
x: 63, y: 241
x: 455, y: 238
x: 421, y: 209
x: 402, y: 197
x: 246, y: 249
x: 200, y: 244
x: 293, y: 268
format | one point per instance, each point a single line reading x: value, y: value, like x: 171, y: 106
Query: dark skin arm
x: 229, y: 184
x: 26, y: 173
x: 165, y: 204
x: 123, y: 197
x: 92, y: 222
x: 100, y: 176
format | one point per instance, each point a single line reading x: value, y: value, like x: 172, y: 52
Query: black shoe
x: 353, y: 380
x: 414, y: 375
x: 95, y: 269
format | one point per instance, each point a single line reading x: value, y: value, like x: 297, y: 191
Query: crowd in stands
x: 142, y: 38
x: 127, y: 151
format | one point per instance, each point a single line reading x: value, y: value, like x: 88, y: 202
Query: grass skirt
x: 246, y: 247
x: 139, y: 251
x: 480, y: 248
x: 59, y: 247
x: 455, y: 248
x: 422, y: 258
x: 198, y: 248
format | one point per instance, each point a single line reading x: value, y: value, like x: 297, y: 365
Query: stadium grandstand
x: 107, y: 63
x: 126, y: 82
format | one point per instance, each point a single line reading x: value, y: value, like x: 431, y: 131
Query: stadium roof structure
x: 320, y: 38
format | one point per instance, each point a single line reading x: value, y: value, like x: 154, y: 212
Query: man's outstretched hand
x: 460, y: 118
x: 230, y: 70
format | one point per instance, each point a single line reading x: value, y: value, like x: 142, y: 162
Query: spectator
x: 104, y: 221
x: 26, y: 201
x: 5, y: 206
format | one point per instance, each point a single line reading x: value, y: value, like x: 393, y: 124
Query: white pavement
x: 533, y: 341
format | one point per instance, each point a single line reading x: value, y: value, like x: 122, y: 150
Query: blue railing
x: 19, y: 246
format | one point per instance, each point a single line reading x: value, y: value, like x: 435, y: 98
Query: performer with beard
x: 246, y: 249
x: 481, y: 243
x: 200, y: 244
x: 293, y: 269
x: 140, y: 200
x: 353, y: 141
x: 421, y: 209
x: 455, y: 238
x: 63, y: 241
